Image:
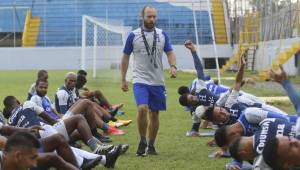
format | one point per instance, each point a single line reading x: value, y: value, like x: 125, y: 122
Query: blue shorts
x: 153, y: 96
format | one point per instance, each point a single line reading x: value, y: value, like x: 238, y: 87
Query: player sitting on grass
x: 66, y: 96
x: 98, y: 97
x: 42, y: 75
x: 53, y: 141
x: 30, y: 114
x: 80, y: 107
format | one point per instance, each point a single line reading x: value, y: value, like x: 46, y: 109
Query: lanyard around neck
x: 147, y: 44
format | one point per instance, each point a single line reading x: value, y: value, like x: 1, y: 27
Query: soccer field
x: 175, y: 150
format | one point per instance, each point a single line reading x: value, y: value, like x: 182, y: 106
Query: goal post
x: 102, y: 43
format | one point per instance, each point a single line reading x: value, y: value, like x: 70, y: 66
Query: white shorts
x: 67, y: 115
x: 61, y: 129
x: 58, y: 127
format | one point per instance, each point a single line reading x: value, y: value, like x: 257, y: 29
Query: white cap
x: 200, y: 110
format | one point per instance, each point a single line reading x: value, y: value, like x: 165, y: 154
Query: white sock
x: 103, y: 160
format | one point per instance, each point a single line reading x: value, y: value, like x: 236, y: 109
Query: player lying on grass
x: 228, y: 109
x: 66, y: 96
x: 206, y: 94
x: 283, y: 152
x: 251, y: 148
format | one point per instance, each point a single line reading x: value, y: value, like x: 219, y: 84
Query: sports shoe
x: 103, y: 139
x: 192, y: 134
x: 114, y: 131
x: 124, y: 148
x: 112, y: 157
x: 90, y: 163
x: 141, y: 149
x: 103, y: 149
x: 151, y: 150
x: 124, y: 122
x: 115, y: 124
x: 118, y: 106
x: 119, y: 123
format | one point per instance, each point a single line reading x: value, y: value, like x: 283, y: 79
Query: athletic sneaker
x: 103, y: 149
x: 115, y: 124
x: 114, y: 131
x: 112, y: 157
x: 192, y: 134
x: 103, y: 139
x: 151, y: 150
x: 124, y: 148
x: 90, y: 163
x: 141, y: 149
x: 124, y: 122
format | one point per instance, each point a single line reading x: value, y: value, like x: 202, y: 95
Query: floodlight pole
x: 214, y: 41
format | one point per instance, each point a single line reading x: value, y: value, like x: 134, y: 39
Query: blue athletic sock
x: 93, y: 143
x: 196, y: 127
x: 105, y: 127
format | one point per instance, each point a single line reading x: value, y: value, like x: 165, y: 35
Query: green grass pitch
x: 175, y: 150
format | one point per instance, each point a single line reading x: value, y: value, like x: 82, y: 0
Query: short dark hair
x: 221, y: 136
x: 143, y: 10
x: 82, y: 72
x: 40, y: 80
x: 22, y: 140
x: 270, y: 154
x: 183, y: 90
x: 41, y: 73
x: 234, y: 148
x: 9, y: 101
x: 208, y: 114
x: 81, y: 80
x: 183, y: 100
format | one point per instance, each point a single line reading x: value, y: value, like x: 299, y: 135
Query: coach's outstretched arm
x: 197, y: 63
x: 124, y: 68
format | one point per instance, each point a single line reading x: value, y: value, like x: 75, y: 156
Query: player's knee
x: 86, y: 102
x: 98, y: 93
x: 78, y: 117
x: 60, y: 139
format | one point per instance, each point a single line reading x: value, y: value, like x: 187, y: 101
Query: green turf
x: 175, y: 150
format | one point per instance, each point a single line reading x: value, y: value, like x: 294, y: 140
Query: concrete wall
x: 269, y: 50
x: 53, y: 58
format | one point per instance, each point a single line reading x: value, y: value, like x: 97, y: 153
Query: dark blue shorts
x: 153, y: 96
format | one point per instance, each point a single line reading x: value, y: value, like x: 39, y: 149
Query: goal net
x: 102, y: 46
